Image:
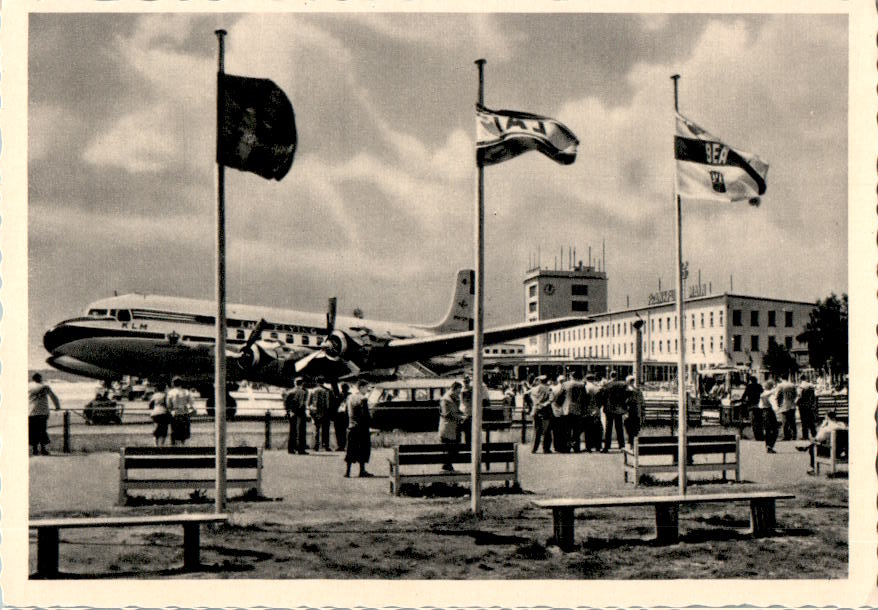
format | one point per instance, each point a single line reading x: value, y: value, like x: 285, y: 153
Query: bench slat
x: 80, y: 522
x: 460, y: 458
x: 651, y: 500
x: 439, y: 447
x: 181, y: 462
x: 188, y: 450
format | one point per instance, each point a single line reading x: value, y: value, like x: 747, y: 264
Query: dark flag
x: 504, y: 134
x: 707, y: 168
x: 257, y: 132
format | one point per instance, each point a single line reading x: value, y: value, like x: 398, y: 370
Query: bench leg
x: 47, y: 552
x: 762, y: 517
x: 562, y: 523
x: 191, y: 546
x: 667, y: 523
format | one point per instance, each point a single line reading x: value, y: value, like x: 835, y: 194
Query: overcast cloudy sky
x: 377, y: 208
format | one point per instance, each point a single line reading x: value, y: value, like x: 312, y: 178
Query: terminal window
x: 754, y: 318
x: 579, y: 290
x: 788, y: 319
x: 754, y: 343
x: 532, y: 290
x: 711, y: 319
x: 771, y: 318
x: 736, y: 343
x: 788, y: 342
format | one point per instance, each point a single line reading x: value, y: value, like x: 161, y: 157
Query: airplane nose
x: 56, y: 337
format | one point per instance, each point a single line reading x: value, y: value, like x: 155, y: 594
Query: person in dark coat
x: 635, y: 410
x: 358, y: 447
x: 340, y: 418
x: 295, y: 404
x: 615, y: 402
x: 750, y: 399
x: 591, y: 417
x: 320, y: 409
x: 807, y: 403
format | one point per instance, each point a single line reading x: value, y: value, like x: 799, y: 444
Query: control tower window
x: 579, y: 290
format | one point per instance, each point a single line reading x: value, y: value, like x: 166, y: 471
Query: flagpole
x: 476, y: 436
x: 220, y: 352
x: 681, y: 325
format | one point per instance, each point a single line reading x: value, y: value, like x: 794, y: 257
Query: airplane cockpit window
x: 123, y: 315
x: 97, y: 313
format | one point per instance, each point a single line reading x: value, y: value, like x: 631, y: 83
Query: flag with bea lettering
x: 257, y: 127
x: 504, y: 134
x: 709, y: 169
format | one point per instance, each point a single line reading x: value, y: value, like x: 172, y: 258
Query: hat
x: 541, y: 378
x: 590, y: 377
x: 561, y: 378
x: 769, y: 385
x: 629, y: 379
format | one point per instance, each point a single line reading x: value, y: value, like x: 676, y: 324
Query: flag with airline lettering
x: 709, y: 169
x: 504, y: 134
x: 257, y: 127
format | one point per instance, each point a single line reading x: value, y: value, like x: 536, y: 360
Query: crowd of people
x: 344, y: 408
x: 574, y: 414
x: 773, y: 407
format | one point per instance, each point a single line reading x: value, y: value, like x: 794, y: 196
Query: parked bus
x: 413, y: 404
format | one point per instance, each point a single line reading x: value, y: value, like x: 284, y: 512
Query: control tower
x: 579, y: 290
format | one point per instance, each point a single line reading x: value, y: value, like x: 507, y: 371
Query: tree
x: 827, y: 335
x: 778, y: 361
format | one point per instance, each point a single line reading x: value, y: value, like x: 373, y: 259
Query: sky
x: 378, y: 206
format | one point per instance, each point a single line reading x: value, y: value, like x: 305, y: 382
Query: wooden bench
x: 665, y: 410
x: 505, y: 454
x: 48, y: 539
x: 839, y: 404
x: 726, y: 445
x: 762, y: 512
x: 186, y: 467
x: 833, y: 454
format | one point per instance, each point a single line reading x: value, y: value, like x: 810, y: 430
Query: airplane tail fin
x: 460, y: 312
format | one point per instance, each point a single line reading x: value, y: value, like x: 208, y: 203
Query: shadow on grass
x: 446, y: 490
x: 647, y: 480
x: 481, y: 537
x: 693, y: 536
x: 223, y: 568
x: 197, y: 496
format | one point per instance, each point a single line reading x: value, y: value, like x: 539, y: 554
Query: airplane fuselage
x: 150, y: 335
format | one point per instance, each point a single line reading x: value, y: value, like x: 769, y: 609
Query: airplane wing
x: 399, y: 351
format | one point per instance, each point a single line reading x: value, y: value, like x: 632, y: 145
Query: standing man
x: 449, y: 417
x: 807, y: 404
x: 541, y: 397
x: 465, y: 423
x: 751, y: 399
x: 295, y: 404
x: 594, y: 430
x: 615, y: 407
x: 786, y: 408
x: 574, y: 400
x: 635, y: 410
x: 319, y: 408
x: 769, y: 419
x: 358, y: 446
x: 181, y: 407
x: 559, y: 423
x: 38, y: 396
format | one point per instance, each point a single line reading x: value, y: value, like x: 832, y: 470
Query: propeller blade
x: 303, y: 363
x: 330, y: 315
x: 254, y: 335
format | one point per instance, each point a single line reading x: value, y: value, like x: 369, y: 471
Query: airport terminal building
x: 721, y: 330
